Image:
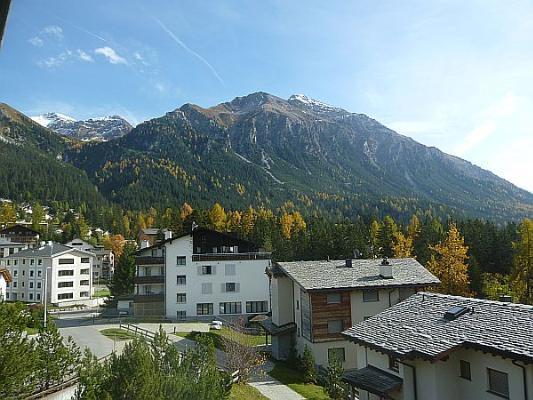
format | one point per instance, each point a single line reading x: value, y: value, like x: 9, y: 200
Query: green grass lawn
x: 31, y: 331
x: 102, y: 293
x: 117, y: 334
x: 245, y: 392
x: 218, y: 335
x: 294, y: 379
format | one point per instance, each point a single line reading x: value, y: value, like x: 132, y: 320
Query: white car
x: 216, y: 325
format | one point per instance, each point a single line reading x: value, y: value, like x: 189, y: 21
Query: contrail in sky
x: 190, y: 51
x: 80, y: 28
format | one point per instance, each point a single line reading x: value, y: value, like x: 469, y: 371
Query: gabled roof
x: 416, y: 327
x: 363, y: 274
x: 48, y: 250
x: 19, y: 230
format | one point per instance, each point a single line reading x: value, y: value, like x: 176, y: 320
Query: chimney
x: 348, y: 263
x: 145, y: 244
x: 168, y: 234
x: 506, y: 298
x: 385, y: 269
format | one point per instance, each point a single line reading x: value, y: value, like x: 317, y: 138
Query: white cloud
x: 55, y: 61
x: 36, y: 41
x: 53, y: 30
x: 138, y: 56
x: 84, y: 56
x: 111, y: 55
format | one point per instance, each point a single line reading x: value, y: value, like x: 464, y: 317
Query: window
x: 63, y: 261
x: 230, y: 287
x: 23, y: 261
x: 11, y: 250
x: 23, y: 284
x: 31, y: 296
x: 84, y: 294
x: 38, y: 296
x: 15, y: 273
x: 204, y: 309
x: 65, y: 296
x: 336, y: 353
x: 181, y: 280
x: 32, y: 261
x: 297, y: 304
x: 31, y: 285
x: 85, y: 282
x: 65, y: 284
x: 207, y: 270
x: 85, y: 260
x: 181, y: 298
x: 370, y: 295
x: 38, y: 285
x: 39, y: 273
x: 334, y: 298
x: 32, y: 272
x: 335, y: 326
x: 14, y: 284
x: 66, y: 272
x: 207, y: 288
x: 229, y: 269
x: 394, y: 365
x: 84, y: 271
x: 181, y: 260
x: 180, y: 314
x: 231, y: 308
x: 464, y: 370
x: 498, y: 382
x: 253, y: 307
x: 15, y: 261
x: 40, y: 261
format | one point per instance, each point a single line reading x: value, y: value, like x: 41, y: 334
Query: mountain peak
x: 51, y: 118
x: 315, y: 105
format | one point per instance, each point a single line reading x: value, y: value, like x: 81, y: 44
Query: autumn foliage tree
x: 522, y: 274
x: 448, y: 263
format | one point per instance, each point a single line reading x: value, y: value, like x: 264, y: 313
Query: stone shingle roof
x: 416, y: 327
x: 45, y: 251
x: 313, y: 275
x: 373, y: 380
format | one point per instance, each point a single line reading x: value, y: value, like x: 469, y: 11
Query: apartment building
x: 68, y: 272
x: 104, y: 263
x: 20, y: 234
x: 201, y: 275
x: 7, y: 247
x: 313, y: 302
x: 440, y: 347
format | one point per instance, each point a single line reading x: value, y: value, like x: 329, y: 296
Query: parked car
x: 216, y: 325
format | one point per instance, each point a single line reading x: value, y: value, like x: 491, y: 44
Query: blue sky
x: 452, y: 74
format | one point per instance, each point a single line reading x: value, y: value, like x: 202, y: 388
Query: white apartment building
x: 440, y: 347
x: 68, y: 271
x: 202, y: 275
x: 7, y: 247
x: 104, y: 263
x: 314, y: 301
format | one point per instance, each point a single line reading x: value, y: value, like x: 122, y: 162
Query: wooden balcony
x: 231, y: 256
x: 150, y: 279
x: 147, y: 260
x: 149, y: 298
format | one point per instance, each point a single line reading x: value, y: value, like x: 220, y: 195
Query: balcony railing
x: 149, y: 298
x: 150, y: 279
x: 231, y: 256
x: 147, y: 260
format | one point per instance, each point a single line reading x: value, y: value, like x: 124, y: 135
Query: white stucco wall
x: 249, y: 274
x: 282, y: 301
x: 362, y: 309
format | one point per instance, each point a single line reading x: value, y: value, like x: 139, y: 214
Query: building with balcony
x: 21, y: 234
x: 7, y: 247
x: 435, y: 346
x: 201, y: 275
x: 313, y: 302
x: 64, y: 272
x: 104, y: 264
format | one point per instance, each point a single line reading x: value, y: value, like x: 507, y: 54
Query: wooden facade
x: 322, y: 312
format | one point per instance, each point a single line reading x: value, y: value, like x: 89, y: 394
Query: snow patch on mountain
x: 315, y: 105
x: 51, y: 118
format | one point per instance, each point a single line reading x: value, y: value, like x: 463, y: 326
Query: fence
x: 137, y: 330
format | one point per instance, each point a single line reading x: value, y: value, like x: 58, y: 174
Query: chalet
x: 200, y: 275
x: 434, y: 346
x: 313, y: 302
x: 21, y: 234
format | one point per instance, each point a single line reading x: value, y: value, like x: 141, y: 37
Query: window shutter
x: 237, y: 287
x: 199, y: 268
x: 223, y: 288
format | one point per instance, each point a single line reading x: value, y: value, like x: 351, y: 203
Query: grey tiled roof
x: 416, y: 328
x: 373, y: 380
x: 363, y: 274
x: 43, y: 251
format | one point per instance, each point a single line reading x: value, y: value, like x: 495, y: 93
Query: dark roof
x: 19, y: 230
x: 373, y: 380
x: 45, y: 251
x: 227, y: 235
x: 274, y: 329
x: 416, y: 327
x: 5, y: 273
x: 314, y: 275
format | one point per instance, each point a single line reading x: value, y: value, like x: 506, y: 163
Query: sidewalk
x: 272, y: 388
